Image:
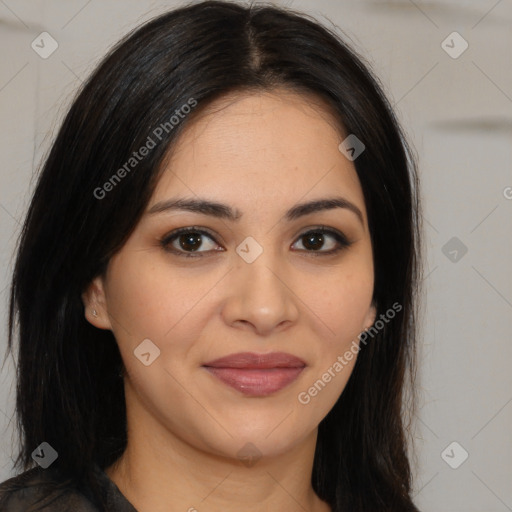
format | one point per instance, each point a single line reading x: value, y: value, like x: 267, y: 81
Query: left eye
x: 190, y: 241
x: 316, y: 238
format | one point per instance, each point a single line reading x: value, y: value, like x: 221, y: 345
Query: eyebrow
x: 224, y: 211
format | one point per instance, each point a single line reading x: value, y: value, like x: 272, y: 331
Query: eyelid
x: 166, y: 240
x: 343, y: 241
x: 322, y: 228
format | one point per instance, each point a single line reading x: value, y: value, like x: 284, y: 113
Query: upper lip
x: 254, y: 360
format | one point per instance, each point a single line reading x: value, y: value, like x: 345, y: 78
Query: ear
x: 370, y: 316
x: 93, y: 298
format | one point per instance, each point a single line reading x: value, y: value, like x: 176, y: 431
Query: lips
x: 253, y: 360
x: 256, y: 374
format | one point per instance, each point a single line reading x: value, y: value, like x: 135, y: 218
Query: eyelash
x: 167, y: 239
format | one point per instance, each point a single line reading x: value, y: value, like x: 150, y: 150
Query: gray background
x: 458, y: 114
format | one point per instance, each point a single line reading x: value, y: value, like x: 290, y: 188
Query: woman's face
x: 253, y: 284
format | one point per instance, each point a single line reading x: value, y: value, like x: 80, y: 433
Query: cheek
x: 348, y: 306
x: 147, y: 298
x: 341, y: 307
x: 341, y: 301
x: 169, y: 306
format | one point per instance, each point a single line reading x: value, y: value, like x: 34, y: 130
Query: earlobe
x: 371, y: 315
x: 93, y: 298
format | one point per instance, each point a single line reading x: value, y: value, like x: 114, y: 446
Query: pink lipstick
x: 256, y: 374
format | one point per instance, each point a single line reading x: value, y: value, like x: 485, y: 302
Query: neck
x: 162, y: 472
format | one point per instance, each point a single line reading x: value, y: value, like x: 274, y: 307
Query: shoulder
x: 41, y: 490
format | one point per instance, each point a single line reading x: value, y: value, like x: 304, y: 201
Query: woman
x: 229, y: 205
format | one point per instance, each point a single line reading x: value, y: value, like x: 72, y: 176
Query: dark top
x: 26, y: 492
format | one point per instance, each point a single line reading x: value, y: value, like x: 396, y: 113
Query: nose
x: 260, y: 297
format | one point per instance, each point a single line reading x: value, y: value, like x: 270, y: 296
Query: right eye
x: 188, y: 241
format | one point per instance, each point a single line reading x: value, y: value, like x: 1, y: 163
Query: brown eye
x: 316, y: 239
x: 313, y: 240
x: 187, y: 241
x: 195, y: 242
x: 190, y: 241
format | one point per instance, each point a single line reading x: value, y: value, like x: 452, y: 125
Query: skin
x: 260, y: 153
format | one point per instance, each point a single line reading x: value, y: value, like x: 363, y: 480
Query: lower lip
x: 256, y: 382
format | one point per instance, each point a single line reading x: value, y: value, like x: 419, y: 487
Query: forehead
x: 256, y: 147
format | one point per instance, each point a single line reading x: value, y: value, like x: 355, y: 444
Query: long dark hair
x: 69, y: 389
